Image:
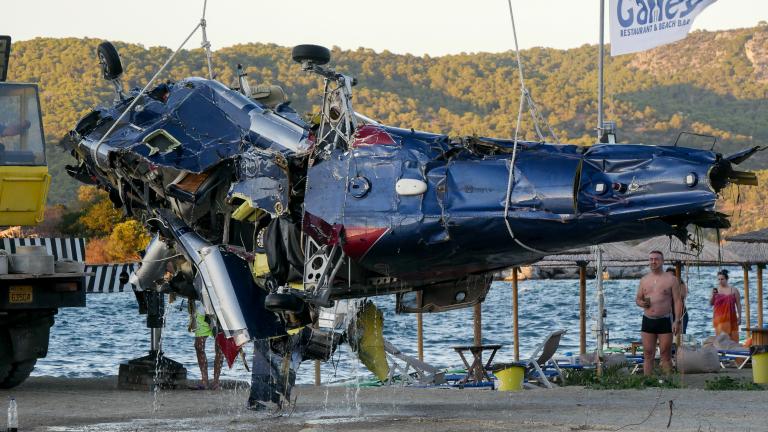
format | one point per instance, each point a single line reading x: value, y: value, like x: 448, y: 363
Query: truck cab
x: 24, y: 178
x: 33, y: 286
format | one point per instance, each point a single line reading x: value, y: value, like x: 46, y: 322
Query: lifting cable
x: 205, y: 44
x: 525, y: 96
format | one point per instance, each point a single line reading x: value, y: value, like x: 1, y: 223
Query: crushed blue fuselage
x: 393, y: 210
x: 561, y: 197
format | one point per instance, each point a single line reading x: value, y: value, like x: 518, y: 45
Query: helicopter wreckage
x: 268, y: 218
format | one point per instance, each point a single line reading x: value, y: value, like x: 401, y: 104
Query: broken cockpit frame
x: 338, y: 121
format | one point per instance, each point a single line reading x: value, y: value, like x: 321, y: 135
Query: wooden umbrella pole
x: 760, y: 295
x: 419, y: 330
x: 678, y: 274
x: 478, y: 324
x: 746, y: 298
x: 478, y: 328
x: 515, y: 325
x: 317, y: 372
x: 582, y: 307
x: 600, y: 309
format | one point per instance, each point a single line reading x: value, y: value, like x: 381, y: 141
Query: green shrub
x: 617, y: 378
x: 729, y: 383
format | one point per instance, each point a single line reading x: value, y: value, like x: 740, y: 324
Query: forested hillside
x: 712, y: 83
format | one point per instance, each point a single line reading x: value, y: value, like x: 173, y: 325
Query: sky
x: 434, y: 27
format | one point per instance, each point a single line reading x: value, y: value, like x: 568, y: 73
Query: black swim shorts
x: 661, y: 325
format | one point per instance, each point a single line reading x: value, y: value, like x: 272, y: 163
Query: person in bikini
x: 657, y: 293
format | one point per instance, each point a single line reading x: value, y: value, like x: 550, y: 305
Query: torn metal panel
x: 262, y: 182
x: 224, y: 282
x: 153, y: 265
x: 446, y: 296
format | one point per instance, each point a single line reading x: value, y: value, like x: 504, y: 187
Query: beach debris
x: 13, y: 415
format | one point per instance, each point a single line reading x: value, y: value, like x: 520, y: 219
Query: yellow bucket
x: 511, y: 378
x: 760, y: 368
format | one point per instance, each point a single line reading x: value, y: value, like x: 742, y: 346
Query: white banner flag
x: 638, y: 25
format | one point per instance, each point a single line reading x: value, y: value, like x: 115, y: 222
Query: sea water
x: 92, y: 341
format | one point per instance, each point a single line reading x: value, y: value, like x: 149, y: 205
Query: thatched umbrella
x: 705, y: 253
x: 614, y: 254
x: 752, y: 247
x: 748, y: 253
x: 760, y: 236
x: 619, y: 254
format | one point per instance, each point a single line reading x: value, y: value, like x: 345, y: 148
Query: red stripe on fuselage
x: 359, y: 240
x: 372, y: 135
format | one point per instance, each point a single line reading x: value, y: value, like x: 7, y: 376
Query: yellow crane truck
x: 32, y: 286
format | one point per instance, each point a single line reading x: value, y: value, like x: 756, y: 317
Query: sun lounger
x: 411, y: 370
x: 735, y: 355
x: 542, y: 357
x: 566, y: 366
x: 635, y: 362
x: 455, y: 378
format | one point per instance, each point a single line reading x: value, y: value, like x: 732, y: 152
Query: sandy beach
x: 94, y: 404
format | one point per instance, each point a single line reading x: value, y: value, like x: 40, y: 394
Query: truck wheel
x: 5, y: 367
x: 5, y: 355
x: 18, y: 373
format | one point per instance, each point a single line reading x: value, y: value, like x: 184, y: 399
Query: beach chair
x: 542, y: 357
x: 739, y: 356
x: 636, y: 363
x: 409, y: 370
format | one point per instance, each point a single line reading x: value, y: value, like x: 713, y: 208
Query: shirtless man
x: 655, y: 295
